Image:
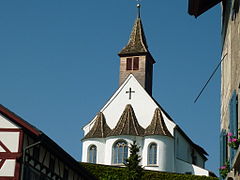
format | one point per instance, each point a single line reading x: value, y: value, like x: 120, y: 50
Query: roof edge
x: 18, y: 120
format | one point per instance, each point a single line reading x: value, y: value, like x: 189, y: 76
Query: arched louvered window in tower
x: 92, y: 154
x: 152, y: 154
x: 120, y: 152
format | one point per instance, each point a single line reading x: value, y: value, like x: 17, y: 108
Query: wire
x: 210, y: 78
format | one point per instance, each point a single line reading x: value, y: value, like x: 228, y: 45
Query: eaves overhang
x: 198, y: 7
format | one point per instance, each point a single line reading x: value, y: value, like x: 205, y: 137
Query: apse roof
x: 127, y: 124
x: 100, y: 128
x: 157, y: 126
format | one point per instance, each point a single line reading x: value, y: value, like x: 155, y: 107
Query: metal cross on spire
x: 138, y: 8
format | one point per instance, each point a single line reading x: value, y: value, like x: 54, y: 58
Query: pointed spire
x: 100, y: 128
x: 137, y: 43
x: 127, y: 124
x: 157, y: 126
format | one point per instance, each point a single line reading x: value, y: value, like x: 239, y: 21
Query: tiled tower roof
x: 127, y: 124
x: 137, y: 43
x: 157, y: 126
x: 100, y: 128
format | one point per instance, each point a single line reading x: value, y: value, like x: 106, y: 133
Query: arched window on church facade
x: 92, y: 154
x: 120, y: 152
x: 152, y: 154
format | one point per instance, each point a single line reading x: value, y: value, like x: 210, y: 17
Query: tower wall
x: 143, y: 74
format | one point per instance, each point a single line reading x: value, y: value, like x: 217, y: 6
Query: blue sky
x: 59, y: 64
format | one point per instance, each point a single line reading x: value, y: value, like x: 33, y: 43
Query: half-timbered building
x: 27, y: 153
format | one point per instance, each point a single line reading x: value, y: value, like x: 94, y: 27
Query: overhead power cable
x: 210, y: 78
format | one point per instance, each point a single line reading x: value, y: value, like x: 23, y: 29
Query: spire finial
x: 138, y: 8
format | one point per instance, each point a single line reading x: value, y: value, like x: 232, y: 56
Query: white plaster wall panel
x: 5, y: 123
x: 11, y: 140
x: 110, y: 142
x: 7, y: 168
x: 183, y: 167
x: 1, y: 150
x: 100, y: 144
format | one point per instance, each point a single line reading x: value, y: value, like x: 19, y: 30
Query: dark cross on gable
x: 130, y: 92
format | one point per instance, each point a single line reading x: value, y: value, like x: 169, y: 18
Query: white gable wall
x: 142, y: 103
x: 5, y: 123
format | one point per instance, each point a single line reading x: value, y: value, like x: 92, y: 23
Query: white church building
x: 132, y: 114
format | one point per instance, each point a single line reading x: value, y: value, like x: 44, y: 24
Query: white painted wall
x: 110, y: 142
x: 11, y: 141
x: 141, y: 102
x: 8, y: 168
x: 184, y: 167
x: 144, y: 107
x: 165, y: 153
x: 165, y: 150
x: 5, y: 123
x: 100, y: 144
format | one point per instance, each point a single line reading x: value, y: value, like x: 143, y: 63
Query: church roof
x: 157, y: 126
x: 137, y: 42
x: 100, y: 128
x: 127, y: 124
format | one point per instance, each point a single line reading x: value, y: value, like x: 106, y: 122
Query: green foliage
x: 103, y: 172
x: 133, y: 169
x: 224, y: 170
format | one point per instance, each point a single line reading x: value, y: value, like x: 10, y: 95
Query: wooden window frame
x: 132, y: 64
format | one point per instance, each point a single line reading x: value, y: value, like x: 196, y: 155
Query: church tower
x: 136, y: 59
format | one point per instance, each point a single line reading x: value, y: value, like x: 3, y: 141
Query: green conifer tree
x: 133, y: 169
